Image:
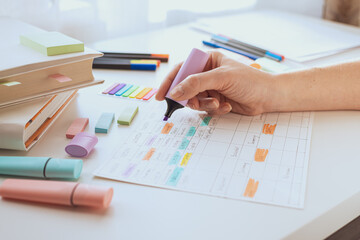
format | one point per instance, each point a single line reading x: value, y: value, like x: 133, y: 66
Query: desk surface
x: 139, y: 212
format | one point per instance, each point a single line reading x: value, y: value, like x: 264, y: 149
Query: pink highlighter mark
x: 60, y: 78
x: 150, y: 94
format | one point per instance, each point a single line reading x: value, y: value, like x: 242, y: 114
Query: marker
x: 195, y: 63
x: 123, y: 64
x: 219, y: 45
x: 57, y: 192
x: 247, y: 47
x: 153, y: 56
x: 41, y: 167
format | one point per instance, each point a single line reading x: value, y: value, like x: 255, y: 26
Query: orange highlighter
x: 57, y: 192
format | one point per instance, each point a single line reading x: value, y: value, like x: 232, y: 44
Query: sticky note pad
x: 77, y: 126
x: 104, y: 122
x: 127, y: 115
x: 52, y: 43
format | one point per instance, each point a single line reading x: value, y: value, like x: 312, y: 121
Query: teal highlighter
x: 41, y: 167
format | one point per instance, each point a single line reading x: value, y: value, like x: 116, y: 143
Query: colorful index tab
x: 143, y: 93
x: 149, y: 95
x: 124, y: 89
x: 136, y: 92
x: 130, y: 91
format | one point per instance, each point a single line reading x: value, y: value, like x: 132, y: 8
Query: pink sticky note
x: 60, y: 78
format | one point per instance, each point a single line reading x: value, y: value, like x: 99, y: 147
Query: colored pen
x: 57, y: 192
x: 249, y: 47
x: 41, y: 167
x: 195, y: 63
x: 219, y: 45
x: 125, y: 64
x: 161, y: 57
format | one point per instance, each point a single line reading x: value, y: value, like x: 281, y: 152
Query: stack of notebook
x: 39, y: 75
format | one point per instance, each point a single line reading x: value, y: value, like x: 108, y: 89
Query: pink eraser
x: 81, y: 145
x: 57, y: 192
x: 78, y: 125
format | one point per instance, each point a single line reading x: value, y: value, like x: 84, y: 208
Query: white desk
x: 139, y: 212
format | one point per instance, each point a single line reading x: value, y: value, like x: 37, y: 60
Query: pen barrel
x: 195, y: 63
x: 57, y: 192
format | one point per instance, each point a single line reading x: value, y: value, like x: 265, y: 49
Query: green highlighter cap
x: 41, y: 167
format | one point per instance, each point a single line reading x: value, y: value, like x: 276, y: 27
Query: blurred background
x: 94, y: 20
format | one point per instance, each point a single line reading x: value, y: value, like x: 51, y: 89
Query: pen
x: 242, y: 45
x: 218, y: 45
x: 155, y: 56
x: 125, y: 64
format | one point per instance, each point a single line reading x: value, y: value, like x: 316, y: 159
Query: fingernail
x: 226, y: 108
x: 212, y: 105
x: 178, y: 91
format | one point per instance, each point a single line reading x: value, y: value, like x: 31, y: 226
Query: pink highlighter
x: 195, y: 63
x: 57, y: 192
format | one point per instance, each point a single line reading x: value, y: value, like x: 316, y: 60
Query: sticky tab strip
x: 124, y: 89
x: 60, y: 78
x: 9, y: 84
x: 130, y: 91
x: 143, y: 93
x: 116, y: 89
x: 127, y: 115
x: 149, y: 95
x: 104, y: 122
x: 77, y: 126
x: 136, y: 92
x: 106, y: 91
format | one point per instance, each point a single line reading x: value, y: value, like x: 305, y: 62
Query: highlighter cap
x: 82, y: 144
x: 63, y: 168
x: 92, y: 196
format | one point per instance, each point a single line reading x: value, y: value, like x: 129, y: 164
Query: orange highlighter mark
x: 261, y: 154
x: 269, y: 129
x: 251, y: 188
x: 167, y: 128
x: 149, y: 154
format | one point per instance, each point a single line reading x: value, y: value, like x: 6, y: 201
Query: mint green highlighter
x: 41, y: 167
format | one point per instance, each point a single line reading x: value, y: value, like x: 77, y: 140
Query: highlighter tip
x: 165, y: 118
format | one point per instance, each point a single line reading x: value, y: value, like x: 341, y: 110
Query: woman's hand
x: 225, y: 85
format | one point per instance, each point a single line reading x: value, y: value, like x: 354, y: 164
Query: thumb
x: 197, y: 83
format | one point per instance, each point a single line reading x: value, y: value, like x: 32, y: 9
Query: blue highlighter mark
x: 205, y: 121
x: 175, y: 158
x: 191, y: 132
x: 184, y: 144
x: 175, y: 176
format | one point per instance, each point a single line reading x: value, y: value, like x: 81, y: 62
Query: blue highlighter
x: 41, y: 167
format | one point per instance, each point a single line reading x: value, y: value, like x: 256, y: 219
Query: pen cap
x: 55, y: 192
x: 63, y: 168
x: 195, y: 63
x: 92, y: 196
x: 81, y: 145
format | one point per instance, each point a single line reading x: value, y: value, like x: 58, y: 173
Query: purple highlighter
x: 195, y: 63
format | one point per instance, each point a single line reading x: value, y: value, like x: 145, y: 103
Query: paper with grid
x: 260, y: 159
